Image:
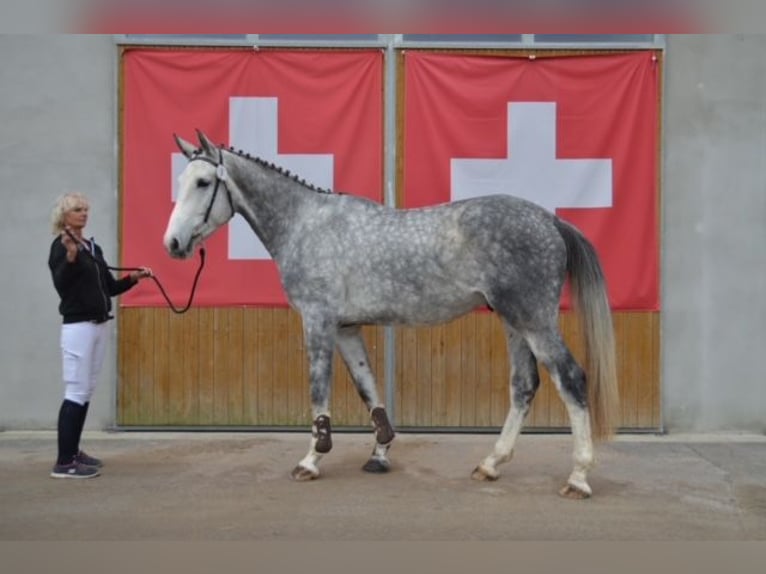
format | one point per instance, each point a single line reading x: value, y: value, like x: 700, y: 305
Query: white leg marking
x: 503, y: 450
x: 380, y: 452
x: 308, y: 467
x: 310, y: 461
x: 583, y: 449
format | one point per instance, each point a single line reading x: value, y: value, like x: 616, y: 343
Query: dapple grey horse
x: 345, y: 261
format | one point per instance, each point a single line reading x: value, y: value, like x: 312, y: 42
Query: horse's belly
x: 413, y: 309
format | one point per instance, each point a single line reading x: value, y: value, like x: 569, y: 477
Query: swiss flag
x: 576, y: 134
x: 317, y: 113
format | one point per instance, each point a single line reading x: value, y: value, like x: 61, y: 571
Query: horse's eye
x: 202, y: 183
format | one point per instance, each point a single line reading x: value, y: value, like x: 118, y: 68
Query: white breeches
x: 83, y: 346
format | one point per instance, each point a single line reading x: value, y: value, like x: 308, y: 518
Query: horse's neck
x: 272, y: 203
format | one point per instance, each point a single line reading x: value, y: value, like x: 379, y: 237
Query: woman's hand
x: 141, y: 273
x: 70, y: 244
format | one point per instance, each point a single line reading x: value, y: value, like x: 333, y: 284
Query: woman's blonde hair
x: 64, y: 203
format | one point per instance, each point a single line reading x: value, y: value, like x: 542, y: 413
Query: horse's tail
x: 589, y: 298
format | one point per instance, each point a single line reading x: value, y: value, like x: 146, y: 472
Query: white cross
x: 253, y: 129
x: 531, y: 169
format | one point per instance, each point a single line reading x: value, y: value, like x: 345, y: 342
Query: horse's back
x: 374, y: 263
x: 490, y: 217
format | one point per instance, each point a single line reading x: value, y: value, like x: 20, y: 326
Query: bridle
x: 220, y: 178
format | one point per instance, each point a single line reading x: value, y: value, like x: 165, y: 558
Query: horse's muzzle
x: 176, y: 250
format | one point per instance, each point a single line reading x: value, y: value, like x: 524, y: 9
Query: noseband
x: 220, y: 178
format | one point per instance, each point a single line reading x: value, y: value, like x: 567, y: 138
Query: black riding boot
x: 71, y: 420
x: 81, y: 423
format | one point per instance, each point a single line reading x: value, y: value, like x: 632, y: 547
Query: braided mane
x: 272, y: 166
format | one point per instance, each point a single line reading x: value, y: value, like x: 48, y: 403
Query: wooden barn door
x: 225, y: 367
x: 457, y: 375
x: 242, y: 367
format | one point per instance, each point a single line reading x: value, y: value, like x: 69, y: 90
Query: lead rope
x: 154, y: 278
x: 173, y: 308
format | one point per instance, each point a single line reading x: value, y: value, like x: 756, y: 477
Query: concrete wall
x: 59, y: 118
x: 714, y: 233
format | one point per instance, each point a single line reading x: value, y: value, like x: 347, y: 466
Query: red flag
x: 320, y: 114
x: 577, y: 134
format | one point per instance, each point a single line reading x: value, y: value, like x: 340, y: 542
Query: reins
x: 154, y: 278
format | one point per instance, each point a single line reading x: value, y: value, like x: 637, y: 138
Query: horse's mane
x: 273, y: 167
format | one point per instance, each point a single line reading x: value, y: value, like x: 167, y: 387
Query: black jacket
x: 84, y: 285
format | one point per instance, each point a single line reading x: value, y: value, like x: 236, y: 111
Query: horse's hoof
x: 376, y: 466
x: 303, y: 474
x: 480, y: 473
x: 573, y: 492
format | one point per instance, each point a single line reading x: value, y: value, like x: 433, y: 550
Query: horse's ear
x: 186, y: 148
x: 209, y: 147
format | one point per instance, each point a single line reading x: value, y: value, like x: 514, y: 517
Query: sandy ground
x: 236, y: 486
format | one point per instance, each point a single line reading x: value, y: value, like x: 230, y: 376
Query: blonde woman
x: 85, y: 286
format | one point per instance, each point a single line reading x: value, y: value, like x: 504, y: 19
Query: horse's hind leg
x: 525, y: 381
x: 569, y: 379
x: 320, y: 346
x: 352, y: 349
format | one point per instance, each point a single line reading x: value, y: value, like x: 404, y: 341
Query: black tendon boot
x: 71, y: 418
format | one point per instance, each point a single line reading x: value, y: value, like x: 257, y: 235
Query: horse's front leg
x: 319, y: 335
x: 354, y: 353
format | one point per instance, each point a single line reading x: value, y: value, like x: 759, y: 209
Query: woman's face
x: 77, y: 216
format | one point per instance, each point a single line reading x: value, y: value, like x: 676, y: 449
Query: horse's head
x: 204, y: 200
